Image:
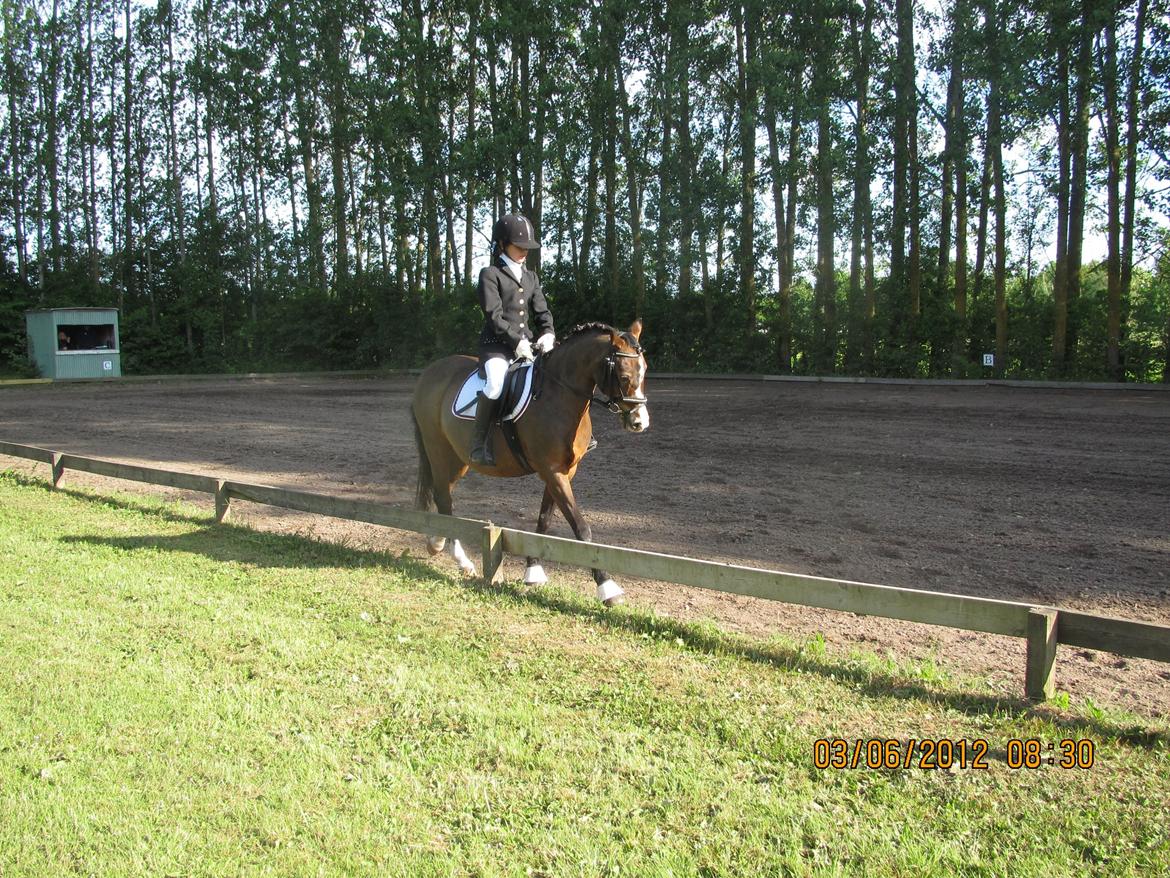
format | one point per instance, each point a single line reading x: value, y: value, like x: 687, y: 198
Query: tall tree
x: 746, y: 23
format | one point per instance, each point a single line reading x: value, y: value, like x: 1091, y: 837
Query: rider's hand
x: 524, y: 350
x: 545, y: 343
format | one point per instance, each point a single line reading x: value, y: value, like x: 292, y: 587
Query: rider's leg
x: 495, y: 369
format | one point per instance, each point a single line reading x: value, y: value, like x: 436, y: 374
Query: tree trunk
x: 1131, y: 151
x: 685, y: 159
x: 775, y: 170
x: 995, y: 142
x: 1078, y: 194
x: 289, y: 169
x: 745, y: 39
x: 12, y: 19
x: 498, y: 205
x: 177, y: 202
x: 787, y: 258
x: 91, y: 146
x: 632, y: 176
x: 537, y: 148
x: 903, y: 104
x: 336, y: 71
x: 469, y: 169
x: 824, y: 352
x: 51, y: 142
x: 860, y: 322
x: 1060, y: 272
x: 590, y: 209
x: 127, y: 164
x: 959, y: 346
x: 1109, y: 81
x: 609, y: 293
x: 112, y: 151
x: 984, y: 206
x: 957, y: 155
x: 666, y: 158
x: 305, y: 135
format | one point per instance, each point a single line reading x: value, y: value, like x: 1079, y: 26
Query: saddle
x: 514, y: 399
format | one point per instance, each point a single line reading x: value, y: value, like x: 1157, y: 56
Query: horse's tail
x: 425, y: 494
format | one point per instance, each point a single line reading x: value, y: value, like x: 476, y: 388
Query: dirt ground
x: 1059, y: 497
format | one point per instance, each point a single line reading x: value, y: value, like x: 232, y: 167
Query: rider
x: 508, y: 294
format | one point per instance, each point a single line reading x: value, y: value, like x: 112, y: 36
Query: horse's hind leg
x: 533, y: 571
x: 443, y: 493
x: 446, y: 469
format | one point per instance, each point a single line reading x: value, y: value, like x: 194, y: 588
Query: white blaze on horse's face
x: 637, y: 419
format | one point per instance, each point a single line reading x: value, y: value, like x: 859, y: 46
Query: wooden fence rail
x: 1041, y: 627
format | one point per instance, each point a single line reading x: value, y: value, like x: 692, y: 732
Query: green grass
x: 184, y: 698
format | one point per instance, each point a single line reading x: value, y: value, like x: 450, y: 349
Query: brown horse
x: 554, y: 431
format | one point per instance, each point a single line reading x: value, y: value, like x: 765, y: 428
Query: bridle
x: 610, y: 379
x: 611, y: 400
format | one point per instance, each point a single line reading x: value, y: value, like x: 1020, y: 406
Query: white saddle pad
x: 465, y: 401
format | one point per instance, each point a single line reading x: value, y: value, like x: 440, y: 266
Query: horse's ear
x: 636, y: 329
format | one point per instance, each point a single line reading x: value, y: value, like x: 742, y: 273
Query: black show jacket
x: 507, y: 305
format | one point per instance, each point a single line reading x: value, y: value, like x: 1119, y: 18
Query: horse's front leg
x: 561, y: 488
x: 533, y: 571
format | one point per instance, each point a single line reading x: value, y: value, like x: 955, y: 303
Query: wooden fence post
x: 493, y: 554
x: 223, y: 502
x: 58, y: 469
x: 1039, y: 683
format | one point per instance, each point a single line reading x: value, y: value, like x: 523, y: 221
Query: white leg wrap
x: 436, y: 544
x: 465, y: 563
x: 534, y: 575
x: 609, y: 590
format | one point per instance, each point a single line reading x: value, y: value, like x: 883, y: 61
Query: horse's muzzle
x: 637, y: 419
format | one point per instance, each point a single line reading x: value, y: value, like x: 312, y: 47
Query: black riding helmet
x: 512, y: 228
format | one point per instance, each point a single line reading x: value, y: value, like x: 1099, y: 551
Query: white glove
x: 545, y: 343
x: 524, y: 350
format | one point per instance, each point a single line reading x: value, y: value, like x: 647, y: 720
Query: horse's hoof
x: 614, y: 602
x: 609, y: 593
x: 436, y: 544
x: 534, y: 575
x: 465, y: 564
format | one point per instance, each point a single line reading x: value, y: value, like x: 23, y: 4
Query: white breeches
x: 495, y: 369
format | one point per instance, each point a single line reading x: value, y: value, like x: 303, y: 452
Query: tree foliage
x: 836, y: 187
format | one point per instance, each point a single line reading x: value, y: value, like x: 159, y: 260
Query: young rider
x: 509, y: 293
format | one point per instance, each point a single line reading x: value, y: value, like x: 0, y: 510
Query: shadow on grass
x: 158, y: 508
x: 707, y: 639
x: 233, y: 543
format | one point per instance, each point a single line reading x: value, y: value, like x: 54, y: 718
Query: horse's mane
x: 595, y: 326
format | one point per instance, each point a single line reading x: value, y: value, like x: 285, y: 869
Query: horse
x: 554, y: 431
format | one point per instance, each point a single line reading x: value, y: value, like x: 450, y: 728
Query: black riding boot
x: 481, y: 448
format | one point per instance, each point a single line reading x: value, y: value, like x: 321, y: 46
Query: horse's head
x: 623, y: 378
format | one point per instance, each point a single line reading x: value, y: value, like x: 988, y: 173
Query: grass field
x: 179, y: 697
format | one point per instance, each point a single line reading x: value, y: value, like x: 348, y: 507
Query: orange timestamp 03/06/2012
x: 950, y: 754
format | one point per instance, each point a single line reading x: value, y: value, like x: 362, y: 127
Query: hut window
x: 85, y: 337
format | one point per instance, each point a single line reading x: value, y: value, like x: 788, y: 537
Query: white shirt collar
x: 513, y: 266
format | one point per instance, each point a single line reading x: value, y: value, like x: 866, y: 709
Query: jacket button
x: 521, y: 301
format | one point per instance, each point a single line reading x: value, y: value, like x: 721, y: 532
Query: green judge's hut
x: 75, y: 342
